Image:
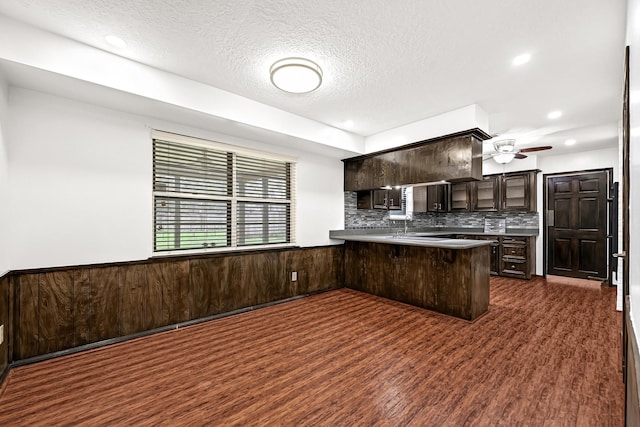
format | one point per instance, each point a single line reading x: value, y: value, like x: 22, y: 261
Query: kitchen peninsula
x: 450, y: 276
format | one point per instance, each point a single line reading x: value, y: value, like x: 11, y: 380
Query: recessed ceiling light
x: 296, y: 75
x: 570, y: 142
x: 116, y: 41
x: 348, y: 124
x: 521, y: 59
x: 554, y: 114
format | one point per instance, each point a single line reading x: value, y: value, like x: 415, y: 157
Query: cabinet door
x: 460, y: 197
x: 420, y: 199
x: 387, y: 199
x: 494, y: 260
x: 516, y: 258
x: 515, y: 193
x: 437, y: 198
x: 394, y: 199
x: 364, y: 200
x: 487, y: 194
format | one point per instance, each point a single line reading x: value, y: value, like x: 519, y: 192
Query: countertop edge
x: 413, y: 241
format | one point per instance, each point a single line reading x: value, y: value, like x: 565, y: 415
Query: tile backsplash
x: 355, y: 218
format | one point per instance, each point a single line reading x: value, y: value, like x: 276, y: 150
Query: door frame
x: 545, y: 214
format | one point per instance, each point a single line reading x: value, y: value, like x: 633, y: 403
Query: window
x: 209, y: 195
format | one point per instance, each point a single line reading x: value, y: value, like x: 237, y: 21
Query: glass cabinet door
x: 486, y: 194
x: 515, y: 194
x: 460, y: 197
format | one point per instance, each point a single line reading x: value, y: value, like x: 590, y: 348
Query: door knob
x: 620, y: 254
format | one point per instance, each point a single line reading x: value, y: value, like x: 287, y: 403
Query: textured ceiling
x: 385, y: 63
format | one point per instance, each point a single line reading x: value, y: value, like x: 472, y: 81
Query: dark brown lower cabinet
x: 518, y: 257
x: 494, y: 255
x: 510, y: 256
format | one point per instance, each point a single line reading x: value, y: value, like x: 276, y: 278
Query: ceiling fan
x: 505, y: 151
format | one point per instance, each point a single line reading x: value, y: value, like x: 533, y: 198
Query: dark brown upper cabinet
x: 455, y: 158
x: 461, y: 197
x: 380, y: 199
x: 487, y: 194
x: 431, y: 198
x: 510, y: 192
x: 438, y: 198
x: 518, y: 191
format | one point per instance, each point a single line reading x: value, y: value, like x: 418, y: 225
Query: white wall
x: 4, y: 180
x: 469, y: 117
x: 81, y: 183
x: 633, y: 40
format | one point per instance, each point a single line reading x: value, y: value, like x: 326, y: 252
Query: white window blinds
x: 205, y: 197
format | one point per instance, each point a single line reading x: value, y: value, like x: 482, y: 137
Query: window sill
x: 223, y: 250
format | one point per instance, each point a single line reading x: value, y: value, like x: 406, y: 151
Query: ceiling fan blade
x: 520, y: 156
x: 532, y: 149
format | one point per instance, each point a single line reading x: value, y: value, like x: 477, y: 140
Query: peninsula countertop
x: 428, y: 237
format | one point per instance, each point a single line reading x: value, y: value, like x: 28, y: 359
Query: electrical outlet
x: 294, y: 276
x: 1, y: 334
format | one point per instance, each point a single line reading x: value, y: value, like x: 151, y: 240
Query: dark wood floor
x: 545, y: 354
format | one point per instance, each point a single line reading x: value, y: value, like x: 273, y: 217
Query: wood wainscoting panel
x: 82, y: 332
x: 172, y: 278
x: 105, y: 302
x: 208, y: 277
x: 316, y: 267
x: 62, y: 308
x: 56, y: 311
x: 28, y: 337
x: 4, y: 320
x: 134, y: 299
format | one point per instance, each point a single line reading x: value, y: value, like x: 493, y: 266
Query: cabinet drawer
x: 515, y: 240
x: 514, y: 251
x: 514, y: 267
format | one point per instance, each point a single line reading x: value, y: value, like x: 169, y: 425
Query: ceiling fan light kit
x: 504, y: 158
x: 296, y: 75
x: 506, y: 151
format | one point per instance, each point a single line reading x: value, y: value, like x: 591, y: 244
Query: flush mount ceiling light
x: 554, y: 114
x: 296, y: 75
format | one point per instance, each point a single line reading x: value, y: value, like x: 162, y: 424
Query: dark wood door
x: 577, y: 225
x: 626, y: 182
